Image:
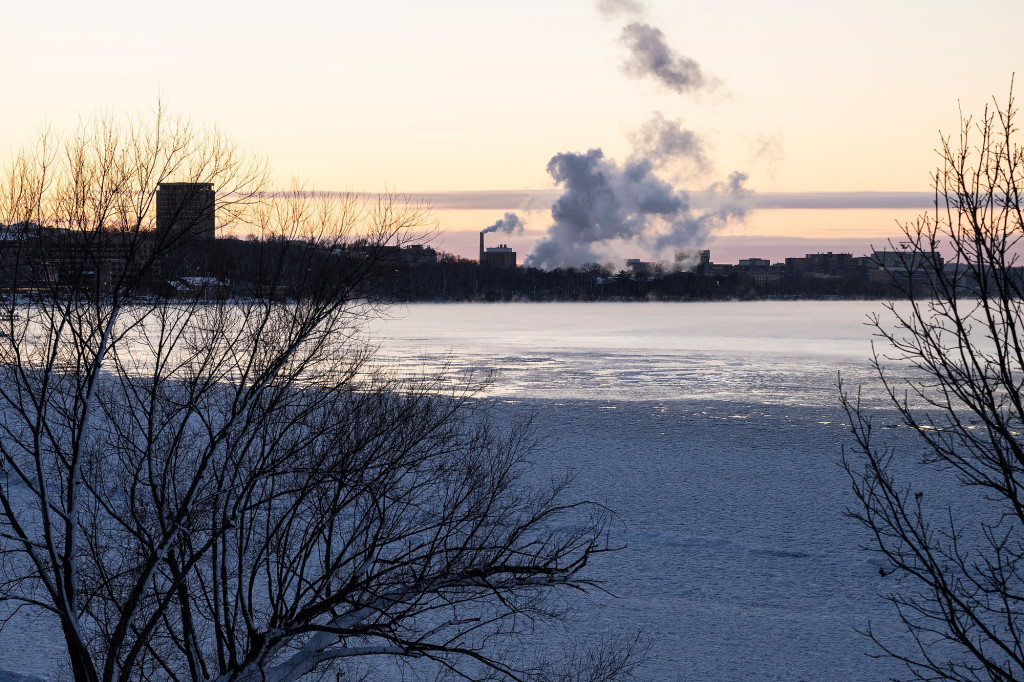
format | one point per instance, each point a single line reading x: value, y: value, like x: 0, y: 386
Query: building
x: 760, y: 271
x: 637, y: 267
x: 697, y: 262
x: 904, y: 260
x: 209, y: 288
x: 497, y: 256
x: 825, y: 265
x: 904, y: 268
x: 500, y: 256
x: 186, y: 209
x: 746, y: 264
x: 418, y: 254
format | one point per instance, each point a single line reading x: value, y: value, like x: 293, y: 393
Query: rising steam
x: 510, y: 224
x: 612, y: 9
x: 649, y: 55
x: 606, y: 206
x: 667, y: 144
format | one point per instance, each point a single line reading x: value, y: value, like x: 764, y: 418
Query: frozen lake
x: 760, y: 352
x: 713, y: 429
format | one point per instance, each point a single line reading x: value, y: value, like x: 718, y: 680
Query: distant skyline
x: 814, y: 102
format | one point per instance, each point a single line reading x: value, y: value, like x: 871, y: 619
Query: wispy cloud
x: 524, y: 200
x: 842, y: 200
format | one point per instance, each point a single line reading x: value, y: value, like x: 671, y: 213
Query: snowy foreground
x: 739, y: 559
x: 714, y: 432
x: 7, y: 676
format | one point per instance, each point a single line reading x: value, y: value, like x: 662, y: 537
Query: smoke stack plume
x: 509, y: 224
x: 651, y: 57
x: 605, y: 206
x: 649, y: 54
x: 668, y: 145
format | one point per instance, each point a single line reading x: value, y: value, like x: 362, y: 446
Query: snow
x: 739, y: 558
x: 6, y: 676
x: 713, y: 430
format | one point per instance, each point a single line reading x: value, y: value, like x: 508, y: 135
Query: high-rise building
x: 186, y: 209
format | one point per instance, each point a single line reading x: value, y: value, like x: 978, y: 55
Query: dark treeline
x: 35, y: 258
x: 451, y: 278
x: 237, y: 267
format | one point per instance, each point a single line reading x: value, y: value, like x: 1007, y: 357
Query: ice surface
x: 739, y: 558
x: 6, y: 676
x: 765, y: 352
x: 713, y: 431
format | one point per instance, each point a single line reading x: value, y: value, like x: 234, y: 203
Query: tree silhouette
x: 950, y: 522
x: 206, y: 488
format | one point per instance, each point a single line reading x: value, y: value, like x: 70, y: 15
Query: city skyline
x: 804, y: 99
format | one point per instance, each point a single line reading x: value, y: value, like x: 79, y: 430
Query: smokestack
x: 481, y: 247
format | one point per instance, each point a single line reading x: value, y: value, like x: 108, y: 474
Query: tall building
x: 186, y: 208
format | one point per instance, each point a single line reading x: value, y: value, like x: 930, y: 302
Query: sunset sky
x: 456, y: 97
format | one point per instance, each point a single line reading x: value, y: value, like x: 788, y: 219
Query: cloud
x: 843, y: 200
x: 504, y: 200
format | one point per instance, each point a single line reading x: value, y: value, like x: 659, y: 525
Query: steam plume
x: 610, y: 9
x: 649, y: 54
x: 510, y: 224
x: 605, y: 206
x: 666, y: 144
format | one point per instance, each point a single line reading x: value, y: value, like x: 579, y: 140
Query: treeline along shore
x: 238, y: 267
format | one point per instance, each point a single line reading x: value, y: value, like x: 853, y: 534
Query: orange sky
x: 463, y: 96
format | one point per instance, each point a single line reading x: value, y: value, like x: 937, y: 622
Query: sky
x: 455, y: 99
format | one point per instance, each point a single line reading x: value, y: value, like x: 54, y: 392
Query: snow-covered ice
x: 713, y: 430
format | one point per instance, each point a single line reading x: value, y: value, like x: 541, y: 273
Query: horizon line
x: 541, y: 200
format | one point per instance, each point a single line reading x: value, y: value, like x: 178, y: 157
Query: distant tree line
x: 48, y: 258
x: 452, y: 278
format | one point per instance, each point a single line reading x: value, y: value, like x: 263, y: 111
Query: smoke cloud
x: 605, y: 207
x: 611, y: 9
x: 510, y: 224
x: 651, y: 57
x: 649, y: 54
x: 666, y: 144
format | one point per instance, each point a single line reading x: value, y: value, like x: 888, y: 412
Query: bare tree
x: 210, y: 488
x: 950, y: 522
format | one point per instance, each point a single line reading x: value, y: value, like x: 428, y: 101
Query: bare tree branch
x: 203, y: 476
